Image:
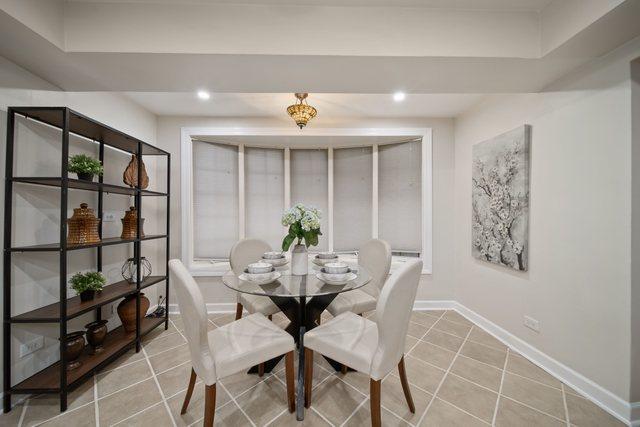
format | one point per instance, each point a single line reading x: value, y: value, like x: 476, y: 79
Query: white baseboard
x: 424, y: 305
x: 221, y: 307
x: 599, y: 395
x: 629, y: 413
x: 635, y: 414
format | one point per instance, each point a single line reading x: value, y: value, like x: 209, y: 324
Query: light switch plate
x: 31, y: 346
x: 532, y: 323
x: 109, y: 217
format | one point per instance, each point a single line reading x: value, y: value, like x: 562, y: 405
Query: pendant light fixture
x: 301, y: 112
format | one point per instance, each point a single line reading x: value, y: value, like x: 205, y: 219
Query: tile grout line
x: 366, y: 399
x: 155, y: 379
x: 322, y: 416
x: 95, y: 399
x: 233, y: 399
x: 462, y: 410
x: 533, y: 408
x: 230, y: 402
x: 268, y: 423
x: 135, y: 414
x: 24, y: 411
x: 425, y: 334
x: 504, y: 369
x: 435, y: 393
x: 564, y: 401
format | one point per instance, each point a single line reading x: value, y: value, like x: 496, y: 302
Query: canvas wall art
x: 500, y: 199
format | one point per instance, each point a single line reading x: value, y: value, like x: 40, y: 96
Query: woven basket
x: 129, y: 224
x: 83, y: 226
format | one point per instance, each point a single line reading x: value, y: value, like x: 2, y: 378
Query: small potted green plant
x: 85, y: 166
x: 86, y: 284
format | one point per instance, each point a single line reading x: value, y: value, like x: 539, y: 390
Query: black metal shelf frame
x: 72, y: 122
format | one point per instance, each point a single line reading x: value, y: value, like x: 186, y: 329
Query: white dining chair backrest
x: 375, y: 256
x: 245, y: 252
x: 194, y: 318
x: 393, y: 312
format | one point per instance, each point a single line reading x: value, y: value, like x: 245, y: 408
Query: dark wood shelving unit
x: 116, y: 343
x: 56, y: 378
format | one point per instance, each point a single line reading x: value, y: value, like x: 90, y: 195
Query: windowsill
x: 219, y: 268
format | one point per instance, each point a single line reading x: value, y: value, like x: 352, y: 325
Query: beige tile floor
x: 459, y: 375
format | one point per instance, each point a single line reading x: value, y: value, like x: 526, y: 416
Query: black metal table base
x: 304, y: 316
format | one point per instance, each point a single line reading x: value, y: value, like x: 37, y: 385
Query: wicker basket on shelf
x: 129, y: 224
x: 83, y: 226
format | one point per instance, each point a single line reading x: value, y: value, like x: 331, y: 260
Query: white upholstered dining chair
x: 242, y: 254
x: 371, y: 347
x: 227, y: 350
x: 375, y: 256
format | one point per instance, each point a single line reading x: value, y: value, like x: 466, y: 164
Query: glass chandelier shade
x: 301, y: 112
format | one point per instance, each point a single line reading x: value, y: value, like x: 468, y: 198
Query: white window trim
x: 186, y: 186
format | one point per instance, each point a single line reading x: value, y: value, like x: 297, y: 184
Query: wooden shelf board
x: 85, y: 185
x: 54, y: 247
x: 75, y: 307
x: 115, y: 343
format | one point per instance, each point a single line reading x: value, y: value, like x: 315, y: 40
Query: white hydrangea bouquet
x: 304, y: 223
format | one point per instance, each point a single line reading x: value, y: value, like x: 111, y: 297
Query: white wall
x: 36, y: 211
x: 437, y: 286
x: 578, y: 285
x: 635, y: 236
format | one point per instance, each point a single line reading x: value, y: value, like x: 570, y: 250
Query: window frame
x: 218, y: 268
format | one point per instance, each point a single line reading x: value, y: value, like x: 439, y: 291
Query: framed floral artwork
x: 500, y: 199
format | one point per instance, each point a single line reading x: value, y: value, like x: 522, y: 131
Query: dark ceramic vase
x: 127, y: 311
x: 73, y: 350
x: 87, y: 295
x: 96, y: 333
x: 85, y: 176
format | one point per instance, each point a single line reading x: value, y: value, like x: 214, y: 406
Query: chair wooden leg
x: 344, y: 369
x: 374, y: 392
x: 209, y: 405
x: 261, y: 370
x: 187, y: 397
x: 405, y: 386
x: 291, y: 394
x: 238, y: 311
x: 308, y: 376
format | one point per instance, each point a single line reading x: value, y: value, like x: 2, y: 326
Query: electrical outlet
x: 109, y: 217
x: 532, y: 323
x: 31, y: 346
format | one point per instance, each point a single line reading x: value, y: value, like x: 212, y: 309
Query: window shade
x: 400, y: 195
x: 264, y: 194
x: 309, y: 185
x: 215, y: 199
x: 352, y: 193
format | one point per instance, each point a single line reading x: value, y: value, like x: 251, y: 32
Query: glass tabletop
x: 289, y: 285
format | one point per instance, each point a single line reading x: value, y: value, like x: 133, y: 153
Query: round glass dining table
x: 302, y: 298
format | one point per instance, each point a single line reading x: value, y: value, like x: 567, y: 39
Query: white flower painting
x: 500, y: 199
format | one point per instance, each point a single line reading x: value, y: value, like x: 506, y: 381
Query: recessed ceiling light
x: 203, y: 94
x: 399, y: 96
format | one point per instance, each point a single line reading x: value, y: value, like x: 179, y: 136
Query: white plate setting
x: 262, y: 278
x: 276, y: 262
x: 336, y: 279
x: 324, y: 258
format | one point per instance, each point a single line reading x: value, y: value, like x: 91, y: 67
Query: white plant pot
x: 299, y: 260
